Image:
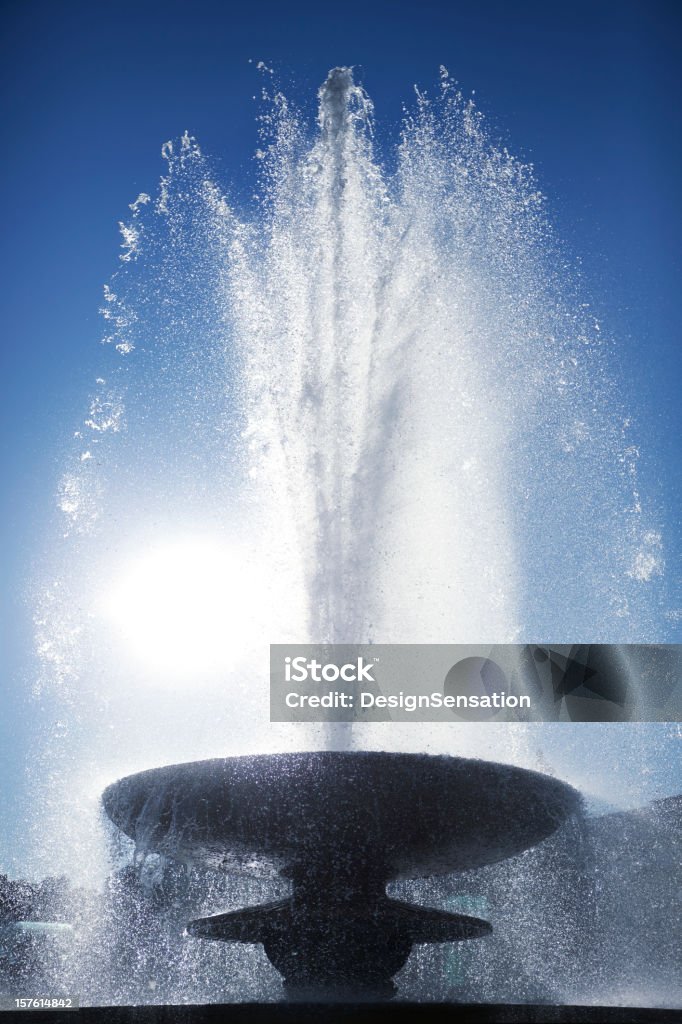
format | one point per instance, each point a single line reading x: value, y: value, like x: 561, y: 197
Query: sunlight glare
x: 185, y: 607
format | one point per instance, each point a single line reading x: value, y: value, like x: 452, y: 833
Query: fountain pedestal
x: 340, y: 826
x: 347, y: 943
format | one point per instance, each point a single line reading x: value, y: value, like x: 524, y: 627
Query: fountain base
x: 348, y: 947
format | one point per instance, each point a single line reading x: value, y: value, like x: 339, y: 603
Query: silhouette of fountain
x: 340, y: 826
x: 431, y: 449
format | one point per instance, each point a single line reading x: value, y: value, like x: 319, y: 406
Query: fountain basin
x: 409, y: 815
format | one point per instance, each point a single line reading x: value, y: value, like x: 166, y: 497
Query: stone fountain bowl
x: 406, y: 815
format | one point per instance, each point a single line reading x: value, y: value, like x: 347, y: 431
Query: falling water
x: 375, y: 379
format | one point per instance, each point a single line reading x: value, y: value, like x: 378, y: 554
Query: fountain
x: 340, y: 826
x: 375, y: 398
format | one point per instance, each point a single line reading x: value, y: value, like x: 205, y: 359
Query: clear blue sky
x: 589, y: 92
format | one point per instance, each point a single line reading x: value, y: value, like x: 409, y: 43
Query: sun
x: 185, y: 607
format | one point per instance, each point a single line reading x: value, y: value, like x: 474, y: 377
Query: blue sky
x: 589, y: 92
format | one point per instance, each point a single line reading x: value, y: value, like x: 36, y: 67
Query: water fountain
x: 394, y: 394
x: 340, y: 826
